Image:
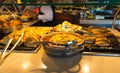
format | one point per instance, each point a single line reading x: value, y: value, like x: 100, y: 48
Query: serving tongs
x: 5, y: 54
x: 3, y: 7
x: 84, y: 32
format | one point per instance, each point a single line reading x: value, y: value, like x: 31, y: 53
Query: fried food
x: 102, y: 43
x: 96, y: 31
x: 89, y: 40
x: 63, y: 38
x: 67, y: 27
x: 15, y: 22
x: 32, y: 34
x: 25, y: 16
x: 101, y: 39
x: 10, y: 23
x: 86, y: 35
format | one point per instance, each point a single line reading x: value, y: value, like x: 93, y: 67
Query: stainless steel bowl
x: 62, y: 49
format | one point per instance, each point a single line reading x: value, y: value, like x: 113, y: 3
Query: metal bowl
x: 62, y: 49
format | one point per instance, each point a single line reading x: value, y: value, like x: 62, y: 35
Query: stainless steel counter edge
x: 92, y: 21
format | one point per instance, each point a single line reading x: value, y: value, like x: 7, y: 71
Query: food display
x: 8, y: 26
x: 63, y: 37
x: 60, y: 35
x: 32, y: 34
x: 67, y: 27
x: 63, y: 43
x: 102, y: 39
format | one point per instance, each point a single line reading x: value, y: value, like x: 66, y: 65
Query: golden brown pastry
x: 89, y: 40
x: 86, y: 35
x: 109, y: 34
x: 102, y: 43
x: 15, y: 22
x: 101, y: 39
x: 100, y: 36
x: 31, y: 35
x: 67, y: 27
x: 96, y: 31
x: 28, y: 40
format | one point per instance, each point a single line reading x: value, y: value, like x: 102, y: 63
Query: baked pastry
x: 102, y: 43
x: 32, y: 34
x: 86, y: 35
x: 15, y: 22
x: 101, y: 39
x: 89, y: 40
x: 67, y: 27
x: 100, y: 36
x: 96, y: 31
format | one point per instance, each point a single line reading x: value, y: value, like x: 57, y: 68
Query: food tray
x: 113, y: 47
x: 22, y: 48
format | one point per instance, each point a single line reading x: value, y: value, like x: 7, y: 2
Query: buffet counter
x: 42, y: 63
x: 88, y: 61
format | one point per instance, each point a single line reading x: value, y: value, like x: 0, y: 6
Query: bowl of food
x: 63, y: 43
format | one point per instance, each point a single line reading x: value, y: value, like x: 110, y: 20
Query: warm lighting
x: 25, y: 65
x: 86, y: 68
x: 18, y: 1
x: 43, y: 66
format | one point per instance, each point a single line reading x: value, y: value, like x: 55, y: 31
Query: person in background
x: 45, y: 14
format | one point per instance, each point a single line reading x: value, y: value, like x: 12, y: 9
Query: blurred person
x: 45, y: 14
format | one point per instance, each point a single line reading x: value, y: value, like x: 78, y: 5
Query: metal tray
x: 114, y: 46
x: 22, y: 48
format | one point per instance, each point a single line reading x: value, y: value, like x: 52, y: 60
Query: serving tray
x: 22, y: 47
x: 114, y: 41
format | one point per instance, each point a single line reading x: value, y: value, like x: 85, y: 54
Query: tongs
x: 84, y: 32
x: 8, y: 11
x: 4, y: 54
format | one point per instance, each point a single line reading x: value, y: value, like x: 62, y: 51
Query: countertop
x: 40, y: 62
